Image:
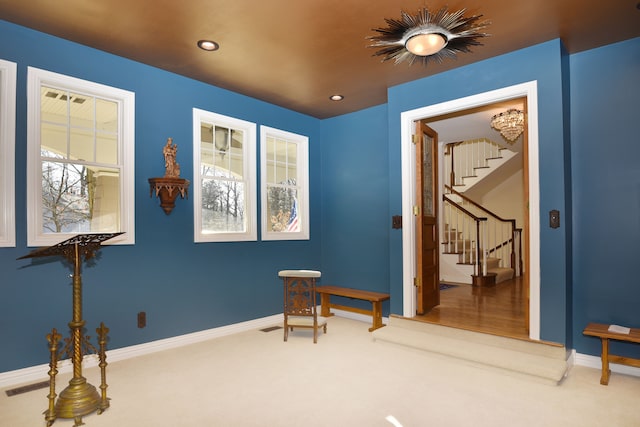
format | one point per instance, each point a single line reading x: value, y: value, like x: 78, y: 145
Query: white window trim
x: 302, y: 143
x: 7, y: 152
x: 249, y: 169
x: 126, y: 105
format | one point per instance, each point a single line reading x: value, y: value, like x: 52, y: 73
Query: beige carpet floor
x: 253, y: 378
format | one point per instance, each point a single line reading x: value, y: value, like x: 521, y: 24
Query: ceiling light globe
x: 426, y: 44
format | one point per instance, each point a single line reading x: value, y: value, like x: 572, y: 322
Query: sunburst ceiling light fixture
x: 510, y: 123
x: 425, y: 36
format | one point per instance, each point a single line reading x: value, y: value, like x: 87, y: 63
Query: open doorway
x: 525, y: 93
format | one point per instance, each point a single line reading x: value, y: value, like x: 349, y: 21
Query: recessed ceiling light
x: 209, y: 45
x: 336, y: 97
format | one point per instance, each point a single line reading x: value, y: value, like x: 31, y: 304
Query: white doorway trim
x: 407, y: 119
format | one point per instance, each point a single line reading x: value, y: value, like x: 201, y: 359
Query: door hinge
x: 416, y: 210
x: 414, y: 139
x: 416, y: 282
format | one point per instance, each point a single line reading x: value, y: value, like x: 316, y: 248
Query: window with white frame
x: 224, y: 190
x: 7, y: 152
x: 284, y: 170
x: 80, y: 160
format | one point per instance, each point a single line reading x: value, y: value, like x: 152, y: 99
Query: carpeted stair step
x: 547, y: 362
x: 502, y: 273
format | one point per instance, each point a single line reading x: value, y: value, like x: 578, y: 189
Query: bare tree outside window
x: 67, y: 197
x: 222, y: 205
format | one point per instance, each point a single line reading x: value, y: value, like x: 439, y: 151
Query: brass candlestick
x: 79, y: 398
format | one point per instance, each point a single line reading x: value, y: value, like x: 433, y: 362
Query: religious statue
x: 172, y: 169
x: 171, y: 185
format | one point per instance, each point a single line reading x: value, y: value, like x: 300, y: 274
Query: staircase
x: 478, y: 246
x: 467, y: 163
x: 547, y: 362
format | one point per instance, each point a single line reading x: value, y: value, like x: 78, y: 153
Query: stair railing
x: 464, y: 235
x: 494, y: 236
x: 467, y: 156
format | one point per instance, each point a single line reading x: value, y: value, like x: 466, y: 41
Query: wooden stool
x: 300, y: 309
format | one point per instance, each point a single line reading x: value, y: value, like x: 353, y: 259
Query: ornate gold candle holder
x: 79, y: 398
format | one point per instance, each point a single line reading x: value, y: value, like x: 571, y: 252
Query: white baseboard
x: 596, y: 363
x: 356, y: 316
x: 40, y: 372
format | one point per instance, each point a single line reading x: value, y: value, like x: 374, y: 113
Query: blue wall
x: 605, y: 147
x: 355, y: 218
x: 182, y: 286
x: 355, y: 187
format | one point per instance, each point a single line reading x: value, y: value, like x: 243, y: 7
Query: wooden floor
x: 498, y: 310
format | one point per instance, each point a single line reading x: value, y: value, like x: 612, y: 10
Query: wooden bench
x: 602, y: 331
x: 375, y: 298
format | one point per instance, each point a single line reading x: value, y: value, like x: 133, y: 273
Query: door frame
x: 529, y: 90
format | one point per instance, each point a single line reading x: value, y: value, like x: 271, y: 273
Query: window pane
x: 77, y: 199
x: 105, y: 200
x: 221, y: 141
x: 81, y: 145
x: 54, y: 105
x: 107, y: 149
x: 292, y: 173
x: 54, y: 139
x: 106, y: 116
x: 292, y: 153
x: 281, y: 173
x: 221, y: 160
x: 222, y: 206
x: 236, y: 163
x: 206, y: 147
x: 81, y: 110
x: 282, y: 209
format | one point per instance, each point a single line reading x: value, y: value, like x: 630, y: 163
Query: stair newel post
x: 485, y: 239
x: 513, y: 244
x: 452, y: 172
x: 520, y: 251
x: 478, y: 250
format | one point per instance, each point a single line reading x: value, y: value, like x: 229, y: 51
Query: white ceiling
x: 474, y: 124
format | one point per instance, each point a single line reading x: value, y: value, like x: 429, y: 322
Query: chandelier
x: 510, y: 123
x: 426, y: 36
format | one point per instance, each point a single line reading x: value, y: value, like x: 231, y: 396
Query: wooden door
x: 426, y: 211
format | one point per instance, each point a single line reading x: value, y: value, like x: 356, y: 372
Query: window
x: 80, y: 161
x: 285, y: 185
x: 224, y: 165
x: 7, y: 152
